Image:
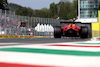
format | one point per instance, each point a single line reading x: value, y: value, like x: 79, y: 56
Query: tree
x: 68, y: 10
x: 53, y: 10
x: 24, y: 11
x: 75, y: 8
x: 99, y: 5
x: 64, y: 9
x: 13, y: 6
x: 3, y: 4
x: 46, y: 12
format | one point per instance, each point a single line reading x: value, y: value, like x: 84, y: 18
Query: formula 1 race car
x: 71, y: 29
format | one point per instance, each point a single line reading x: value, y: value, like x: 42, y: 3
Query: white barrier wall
x: 44, y: 28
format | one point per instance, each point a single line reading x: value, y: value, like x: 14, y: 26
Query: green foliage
x: 3, y: 4
x: 44, y: 12
x: 1, y: 1
x: 13, y: 6
x: 24, y: 11
x: 99, y: 5
x: 68, y: 10
x: 64, y: 10
x: 53, y: 10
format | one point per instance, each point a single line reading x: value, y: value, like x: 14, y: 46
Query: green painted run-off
x: 51, y: 51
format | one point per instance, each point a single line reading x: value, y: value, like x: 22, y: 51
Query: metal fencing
x: 10, y: 24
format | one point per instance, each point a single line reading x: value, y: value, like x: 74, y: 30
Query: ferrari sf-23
x: 71, y: 29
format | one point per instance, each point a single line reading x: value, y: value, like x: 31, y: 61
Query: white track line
x: 46, y: 59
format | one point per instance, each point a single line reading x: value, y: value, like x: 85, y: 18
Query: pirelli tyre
x: 84, y: 32
x: 57, y: 32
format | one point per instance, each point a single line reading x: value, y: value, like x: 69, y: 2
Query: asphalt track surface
x: 41, y: 40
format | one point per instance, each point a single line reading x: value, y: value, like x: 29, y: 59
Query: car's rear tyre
x: 84, y: 32
x: 57, y: 32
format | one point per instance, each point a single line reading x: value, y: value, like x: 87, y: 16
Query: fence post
x: 28, y: 22
x: 34, y: 25
x: 1, y: 22
x: 5, y: 23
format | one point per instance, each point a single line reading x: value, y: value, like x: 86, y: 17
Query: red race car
x: 71, y: 29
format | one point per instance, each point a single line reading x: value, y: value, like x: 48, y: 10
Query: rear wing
x: 70, y: 22
x: 63, y: 24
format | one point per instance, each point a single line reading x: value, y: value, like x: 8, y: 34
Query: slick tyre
x: 57, y: 32
x: 84, y: 32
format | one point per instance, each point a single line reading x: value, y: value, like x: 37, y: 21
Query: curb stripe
x: 21, y: 65
x: 51, y: 51
x: 88, y: 43
x: 75, y: 46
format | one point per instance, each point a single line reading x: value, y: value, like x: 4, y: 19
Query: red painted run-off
x: 22, y: 65
x: 75, y: 46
